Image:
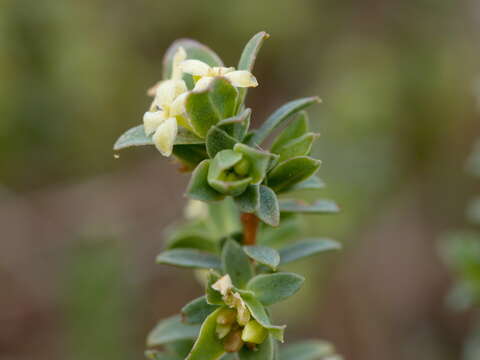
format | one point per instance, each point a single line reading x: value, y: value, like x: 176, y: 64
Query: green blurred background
x: 80, y: 229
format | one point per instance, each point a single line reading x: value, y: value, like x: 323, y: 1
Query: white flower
x: 169, y: 102
x: 223, y: 285
x: 238, y: 78
x: 196, y: 209
x: 232, y: 299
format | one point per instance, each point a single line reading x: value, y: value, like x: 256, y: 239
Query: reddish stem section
x: 250, y: 226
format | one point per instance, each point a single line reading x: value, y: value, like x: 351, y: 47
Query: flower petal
x: 195, y: 67
x: 203, y: 83
x: 242, y: 78
x: 178, y: 105
x: 165, y: 93
x: 152, y: 120
x: 178, y: 58
x: 164, y: 137
x: 223, y: 285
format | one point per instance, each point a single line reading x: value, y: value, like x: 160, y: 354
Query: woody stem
x: 250, y: 226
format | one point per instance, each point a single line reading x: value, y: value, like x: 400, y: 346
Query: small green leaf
x: 195, y: 50
x: 272, y: 288
x: 312, y: 183
x: 257, y: 159
x: 190, y: 155
x: 236, y: 264
x: 201, y: 112
x: 268, y: 211
x: 307, y: 247
x: 218, y: 140
x: 264, y: 351
x: 180, y: 347
x: 198, y: 187
x: 263, y: 255
x: 196, y: 311
x: 297, y: 147
x: 191, y: 239
x: 213, y: 297
x: 291, y: 172
x: 307, y: 350
x: 287, y: 230
x: 258, y: 313
x: 248, y: 57
x: 223, y: 218
x: 280, y: 115
x: 217, y: 174
x: 249, y: 200
x: 237, y: 126
x: 300, y: 206
x: 190, y: 258
x: 224, y: 97
x: 171, y: 329
x: 208, y: 346
x: 294, y: 130
x: 161, y: 355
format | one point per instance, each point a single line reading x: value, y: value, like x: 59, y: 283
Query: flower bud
x: 242, y: 167
x: 253, y: 332
x: 223, y: 330
x: 233, y: 342
x: 226, y: 317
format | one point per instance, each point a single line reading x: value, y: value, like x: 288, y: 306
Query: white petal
x: 153, y: 90
x: 203, y: 83
x: 152, y: 120
x: 180, y: 55
x: 164, y: 137
x: 165, y: 93
x: 242, y: 78
x: 178, y: 105
x: 223, y: 285
x: 221, y: 70
x: 195, y: 67
x: 180, y: 87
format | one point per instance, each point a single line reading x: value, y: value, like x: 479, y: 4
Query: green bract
x: 237, y: 233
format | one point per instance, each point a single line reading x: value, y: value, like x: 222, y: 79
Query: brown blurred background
x: 80, y: 230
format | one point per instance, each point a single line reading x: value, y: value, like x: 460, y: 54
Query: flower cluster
x: 237, y: 229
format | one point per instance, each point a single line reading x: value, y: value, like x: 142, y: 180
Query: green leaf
x: 257, y: 159
x: 307, y: 350
x: 294, y: 130
x: 272, y: 288
x: 213, y: 297
x: 223, y: 161
x: 198, y: 187
x: 280, y: 115
x: 192, y: 239
x: 268, y: 211
x: 195, y: 50
x: 208, y: 346
x: 300, y: 206
x: 263, y: 255
x: 249, y: 200
x: 201, y: 112
x: 190, y: 155
x: 196, y: 311
x: 161, y: 355
x: 136, y: 137
x: 248, y: 57
x: 224, y: 97
x: 223, y: 218
x: 312, y: 183
x: 171, y: 329
x: 292, y: 171
x: 287, y: 230
x: 297, y: 147
x: 264, y: 351
x: 218, y: 140
x: 180, y: 347
x: 305, y: 248
x: 236, y: 264
x: 258, y: 313
x: 190, y: 258
x: 237, y: 126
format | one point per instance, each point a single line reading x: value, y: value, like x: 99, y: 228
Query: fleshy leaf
x: 161, y: 355
x: 258, y: 312
x: 236, y: 264
x: 224, y: 97
x: 195, y: 50
x: 136, y: 137
x: 196, y: 311
x: 249, y: 200
x: 201, y: 112
x: 295, y: 129
x: 192, y: 240
x: 287, y: 230
x: 223, y: 161
x: 208, y: 346
x: 305, y: 248
x: 257, y: 159
x: 297, y: 147
x: 218, y: 140
x: 237, y: 126
x: 190, y: 258
x: 291, y: 172
x: 280, y: 115
x: 264, y: 351
x: 307, y: 350
x: 224, y: 218
x: 268, y: 211
x: 180, y: 347
x: 312, y: 183
x: 198, y: 187
x: 171, y: 329
x: 263, y: 255
x: 300, y: 206
x: 248, y: 57
x: 213, y: 297
x: 272, y: 288
x: 190, y: 155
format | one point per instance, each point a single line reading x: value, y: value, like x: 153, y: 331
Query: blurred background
x: 79, y: 230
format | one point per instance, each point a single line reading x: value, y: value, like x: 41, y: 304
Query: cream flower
x: 169, y: 102
x: 232, y: 299
x: 238, y: 78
